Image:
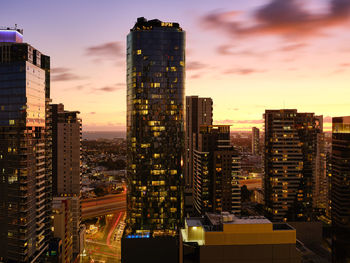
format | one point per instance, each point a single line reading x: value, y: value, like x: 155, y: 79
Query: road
x: 109, y: 204
x: 102, y: 246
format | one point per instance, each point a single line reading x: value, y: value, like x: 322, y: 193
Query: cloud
x: 195, y: 65
x: 243, y: 71
x: 111, y: 88
x: 109, y: 50
x: 92, y: 113
x: 281, y: 18
x: 63, y: 74
x: 292, y: 47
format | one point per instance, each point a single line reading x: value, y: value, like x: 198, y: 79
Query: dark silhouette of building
x: 290, y: 164
x: 255, y: 141
x: 340, y: 189
x: 25, y: 155
x: 199, y: 111
x: 216, y: 171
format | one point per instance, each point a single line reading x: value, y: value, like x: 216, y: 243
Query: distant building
x: 155, y: 136
x: 290, y: 158
x: 199, y: 111
x: 255, y: 141
x: 340, y: 191
x: 63, y: 226
x: 66, y: 175
x: 217, y: 170
x: 25, y: 161
x: 227, y: 238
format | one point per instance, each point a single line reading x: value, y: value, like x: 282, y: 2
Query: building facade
x: 224, y: 238
x: 216, y: 167
x: 340, y: 191
x: 255, y: 141
x: 25, y: 190
x: 155, y: 127
x: 66, y: 175
x: 199, y: 111
x: 290, y: 164
x: 63, y: 226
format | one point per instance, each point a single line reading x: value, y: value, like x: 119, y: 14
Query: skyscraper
x: 199, y: 111
x: 255, y: 141
x: 66, y: 175
x: 155, y: 127
x: 290, y: 154
x: 25, y: 181
x: 340, y: 191
x: 216, y: 172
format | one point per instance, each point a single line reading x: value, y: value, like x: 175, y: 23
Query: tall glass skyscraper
x: 25, y: 161
x: 155, y: 127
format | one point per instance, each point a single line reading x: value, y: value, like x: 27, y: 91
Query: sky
x: 247, y: 55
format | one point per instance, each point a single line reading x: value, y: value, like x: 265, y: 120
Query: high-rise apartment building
x: 25, y: 165
x: 62, y: 224
x: 199, y: 111
x: 255, y: 141
x: 155, y: 128
x: 290, y: 170
x: 340, y: 191
x: 216, y: 167
x: 155, y: 137
x: 66, y: 175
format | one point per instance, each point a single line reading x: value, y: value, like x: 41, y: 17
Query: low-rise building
x: 227, y: 238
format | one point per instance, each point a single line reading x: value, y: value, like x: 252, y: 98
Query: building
x: 66, y: 175
x: 155, y: 132
x: 216, y: 167
x: 255, y: 141
x: 63, y: 226
x: 199, y: 111
x: 290, y: 170
x: 340, y: 191
x: 25, y: 184
x: 227, y: 238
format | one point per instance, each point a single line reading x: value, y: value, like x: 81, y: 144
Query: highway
x: 105, y: 205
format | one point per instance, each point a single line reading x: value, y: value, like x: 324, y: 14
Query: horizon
x: 253, y: 61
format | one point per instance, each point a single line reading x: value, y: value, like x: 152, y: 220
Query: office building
x: 66, y: 175
x: 25, y: 181
x: 63, y: 227
x: 290, y: 171
x: 227, y: 238
x: 216, y: 167
x: 255, y: 141
x: 155, y: 134
x: 340, y: 191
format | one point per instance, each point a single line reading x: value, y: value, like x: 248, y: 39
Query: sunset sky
x: 248, y: 55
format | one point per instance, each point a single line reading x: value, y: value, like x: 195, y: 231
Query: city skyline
x: 311, y: 69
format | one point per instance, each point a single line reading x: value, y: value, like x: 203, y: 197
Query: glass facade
x: 155, y: 127
x: 25, y: 173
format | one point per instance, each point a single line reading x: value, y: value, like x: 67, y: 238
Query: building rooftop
x: 228, y: 229
x: 11, y: 35
x: 144, y: 24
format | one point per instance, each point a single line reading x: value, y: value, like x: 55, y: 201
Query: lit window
x: 138, y: 52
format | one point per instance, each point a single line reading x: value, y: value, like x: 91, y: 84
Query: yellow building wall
x: 252, y: 238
